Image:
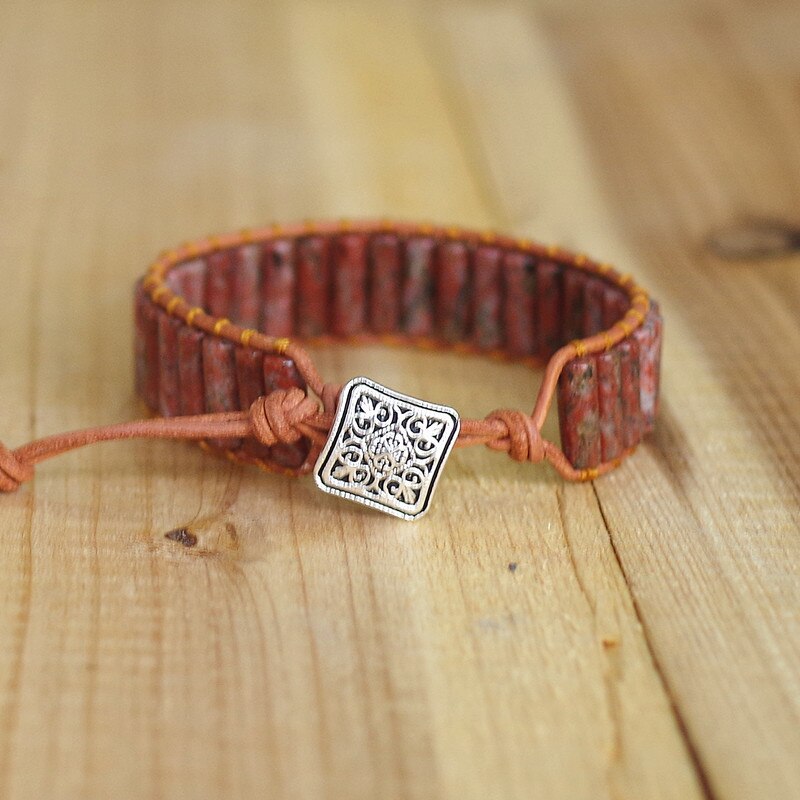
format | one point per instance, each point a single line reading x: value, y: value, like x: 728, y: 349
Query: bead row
x: 214, y: 314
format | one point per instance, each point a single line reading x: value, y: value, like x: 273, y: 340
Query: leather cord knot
x: 330, y: 396
x: 275, y: 417
x: 523, y: 439
x: 13, y: 471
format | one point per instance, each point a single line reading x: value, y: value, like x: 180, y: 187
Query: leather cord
x: 283, y: 416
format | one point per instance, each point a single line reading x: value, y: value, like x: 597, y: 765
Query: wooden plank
x: 668, y: 115
x: 304, y: 648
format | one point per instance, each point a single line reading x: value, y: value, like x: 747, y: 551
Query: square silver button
x: 386, y: 449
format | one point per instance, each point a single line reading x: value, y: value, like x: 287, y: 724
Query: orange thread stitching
x: 246, y: 335
x: 173, y: 304
x: 580, y: 347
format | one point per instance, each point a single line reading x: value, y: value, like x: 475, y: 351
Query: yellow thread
x: 150, y: 281
x: 220, y: 324
x: 192, y: 313
x: 580, y: 347
x: 158, y: 291
x: 580, y: 259
x: 425, y: 228
x: 552, y: 250
x: 265, y: 466
x: 604, y: 268
x: 624, y: 327
x: 635, y: 312
x: 524, y: 244
x: 453, y: 233
x: 625, y: 279
x: 246, y: 335
x: 246, y: 235
x: 345, y: 224
x: 608, y: 341
x: 280, y: 345
x: 488, y: 237
x: 309, y: 226
x: 173, y: 303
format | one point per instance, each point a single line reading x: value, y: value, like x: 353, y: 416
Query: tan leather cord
x: 285, y: 416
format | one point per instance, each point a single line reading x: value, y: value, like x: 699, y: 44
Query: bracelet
x: 218, y: 354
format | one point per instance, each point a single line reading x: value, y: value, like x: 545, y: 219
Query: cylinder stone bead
x: 281, y: 373
x: 520, y: 287
x: 579, y: 417
x: 386, y: 256
x: 610, y: 404
x: 418, y: 287
x: 649, y: 336
x: 349, y: 284
x: 169, y: 393
x: 628, y: 350
x: 150, y: 313
x: 593, y: 306
x: 190, y: 371
x: 487, y: 332
x: 278, y: 277
x: 250, y: 385
x: 189, y: 281
x: 219, y: 378
x: 574, y: 304
x: 219, y: 283
x: 549, y: 299
x: 313, y: 287
x: 247, y: 286
x: 453, y: 287
x: 615, y: 304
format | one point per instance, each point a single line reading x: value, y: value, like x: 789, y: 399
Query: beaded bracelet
x: 217, y: 351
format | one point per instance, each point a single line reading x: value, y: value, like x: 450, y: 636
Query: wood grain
x: 527, y: 639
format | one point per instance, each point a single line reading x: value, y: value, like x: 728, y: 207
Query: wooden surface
x: 639, y: 638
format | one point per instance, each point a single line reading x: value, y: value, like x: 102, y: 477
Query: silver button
x: 386, y: 449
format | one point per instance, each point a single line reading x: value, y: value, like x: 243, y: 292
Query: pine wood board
x: 638, y: 637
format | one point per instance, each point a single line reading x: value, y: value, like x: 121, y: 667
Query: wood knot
x: 182, y: 536
x: 753, y: 239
